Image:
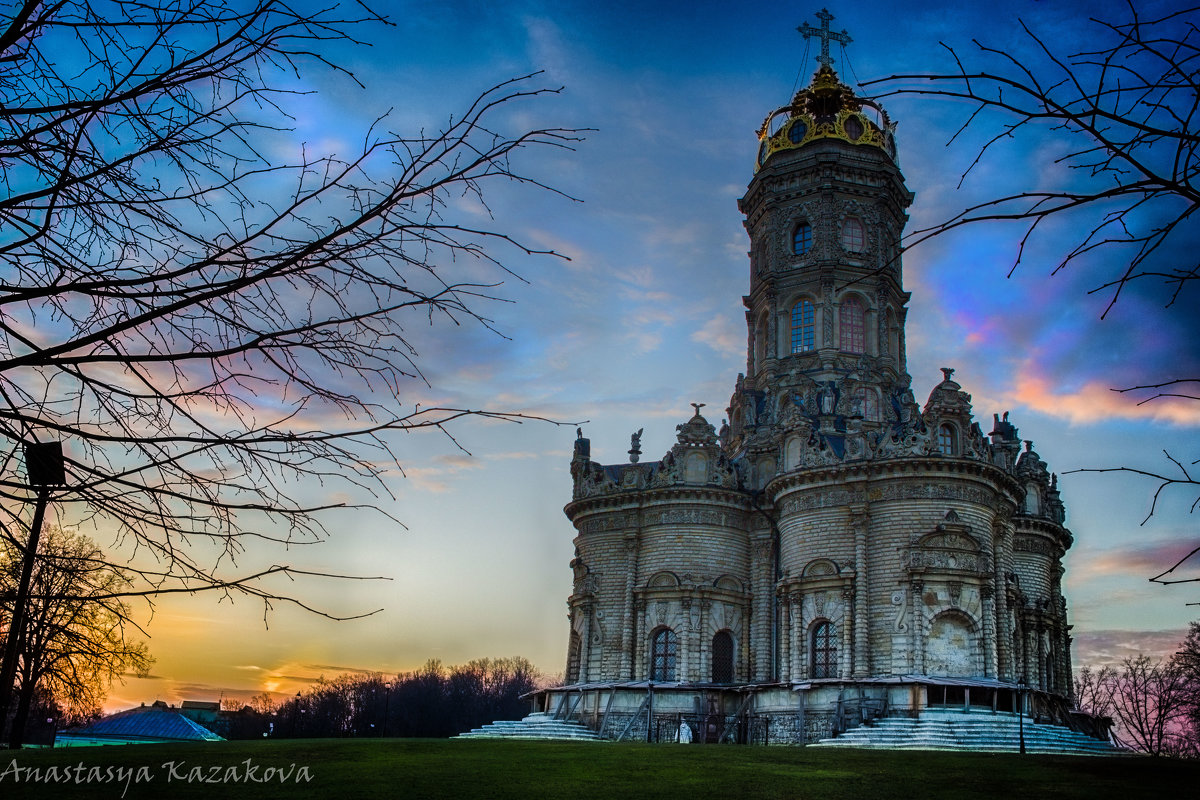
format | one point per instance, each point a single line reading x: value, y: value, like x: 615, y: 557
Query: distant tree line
x: 1155, y: 705
x: 433, y: 701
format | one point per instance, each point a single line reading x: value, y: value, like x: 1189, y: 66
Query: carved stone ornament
x: 900, y: 601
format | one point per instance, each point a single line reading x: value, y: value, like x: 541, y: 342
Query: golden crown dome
x: 825, y: 109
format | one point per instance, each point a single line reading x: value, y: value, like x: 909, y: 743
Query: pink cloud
x: 1141, y: 558
x: 1109, y: 648
x: 1096, y: 401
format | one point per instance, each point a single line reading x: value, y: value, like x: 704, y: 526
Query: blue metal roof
x: 146, y: 723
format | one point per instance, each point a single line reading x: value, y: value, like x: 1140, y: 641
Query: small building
x: 203, y: 712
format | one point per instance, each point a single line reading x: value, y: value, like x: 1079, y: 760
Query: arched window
x: 946, y: 443
x: 1032, y: 498
x: 802, y: 239
x: 852, y: 340
x: 722, y: 657
x: 803, y: 329
x: 663, y: 650
x: 573, y: 651
x: 853, y: 237
x: 824, y: 651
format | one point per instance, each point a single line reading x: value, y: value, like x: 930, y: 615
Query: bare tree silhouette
x: 1126, y: 118
x: 77, y: 637
x: 211, y: 328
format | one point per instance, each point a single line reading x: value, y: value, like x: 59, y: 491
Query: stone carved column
x: 639, y: 670
x: 918, y: 628
x: 1029, y: 656
x: 826, y: 310
x: 1041, y: 656
x: 585, y: 657
x: 1001, y: 556
x: 1018, y: 656
x: 859, y: 522
x: 881, y: 332
x: 772, y: 348
x: 1064, y: 653
x: 687, y: 643
x: 629, y: 627
x: 745, y: 665
x: 785, y: 637
x: 578, y: 678
x: 798, y: 637
x: 846, y: 662
x: 989, y: 631
x: 762, y: 608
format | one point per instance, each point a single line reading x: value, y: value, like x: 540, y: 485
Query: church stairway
x: 538, y: 725
x: 953, y: 729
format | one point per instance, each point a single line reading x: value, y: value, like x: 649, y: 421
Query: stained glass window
x: 852, y: 326
x: 803, y: 329
x: 802, y: 239
x: 853, y: 237
x: 663, y: 653
x: 722, y: 657
x: 824, y: 651
x: 945, y: 440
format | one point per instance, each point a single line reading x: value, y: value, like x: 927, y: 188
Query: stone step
x: 942, y: 729
x: 538, y: 725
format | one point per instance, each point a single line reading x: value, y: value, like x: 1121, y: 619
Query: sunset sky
x: 646, y: 317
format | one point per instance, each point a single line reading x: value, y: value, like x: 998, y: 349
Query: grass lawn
x: 423, y: 768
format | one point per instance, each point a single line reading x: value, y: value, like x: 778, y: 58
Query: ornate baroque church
x: 835, y: 552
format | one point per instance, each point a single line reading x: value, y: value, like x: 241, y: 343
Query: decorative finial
x: 698, y: 406
x: 1028, y: 445
x: 947, y: 371
x: 635, y: 446
x: 808, y: 31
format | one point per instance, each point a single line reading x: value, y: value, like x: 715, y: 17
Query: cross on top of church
x: 808, y: 31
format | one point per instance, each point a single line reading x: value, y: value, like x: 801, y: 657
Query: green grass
x: 422, y: 768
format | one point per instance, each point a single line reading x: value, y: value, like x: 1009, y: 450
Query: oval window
x: 797, y: 132
x: 854, y: 128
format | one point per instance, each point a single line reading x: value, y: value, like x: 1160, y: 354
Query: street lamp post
x: 44, y: 467
x: 295, y: 714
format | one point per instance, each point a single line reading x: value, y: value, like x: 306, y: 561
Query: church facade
x: 835, y: 551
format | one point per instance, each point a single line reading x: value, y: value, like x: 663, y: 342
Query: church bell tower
x: 825, y: 314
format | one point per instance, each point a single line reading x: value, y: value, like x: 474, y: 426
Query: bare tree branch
x: 1125, y: 118
x: 212, y: 329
